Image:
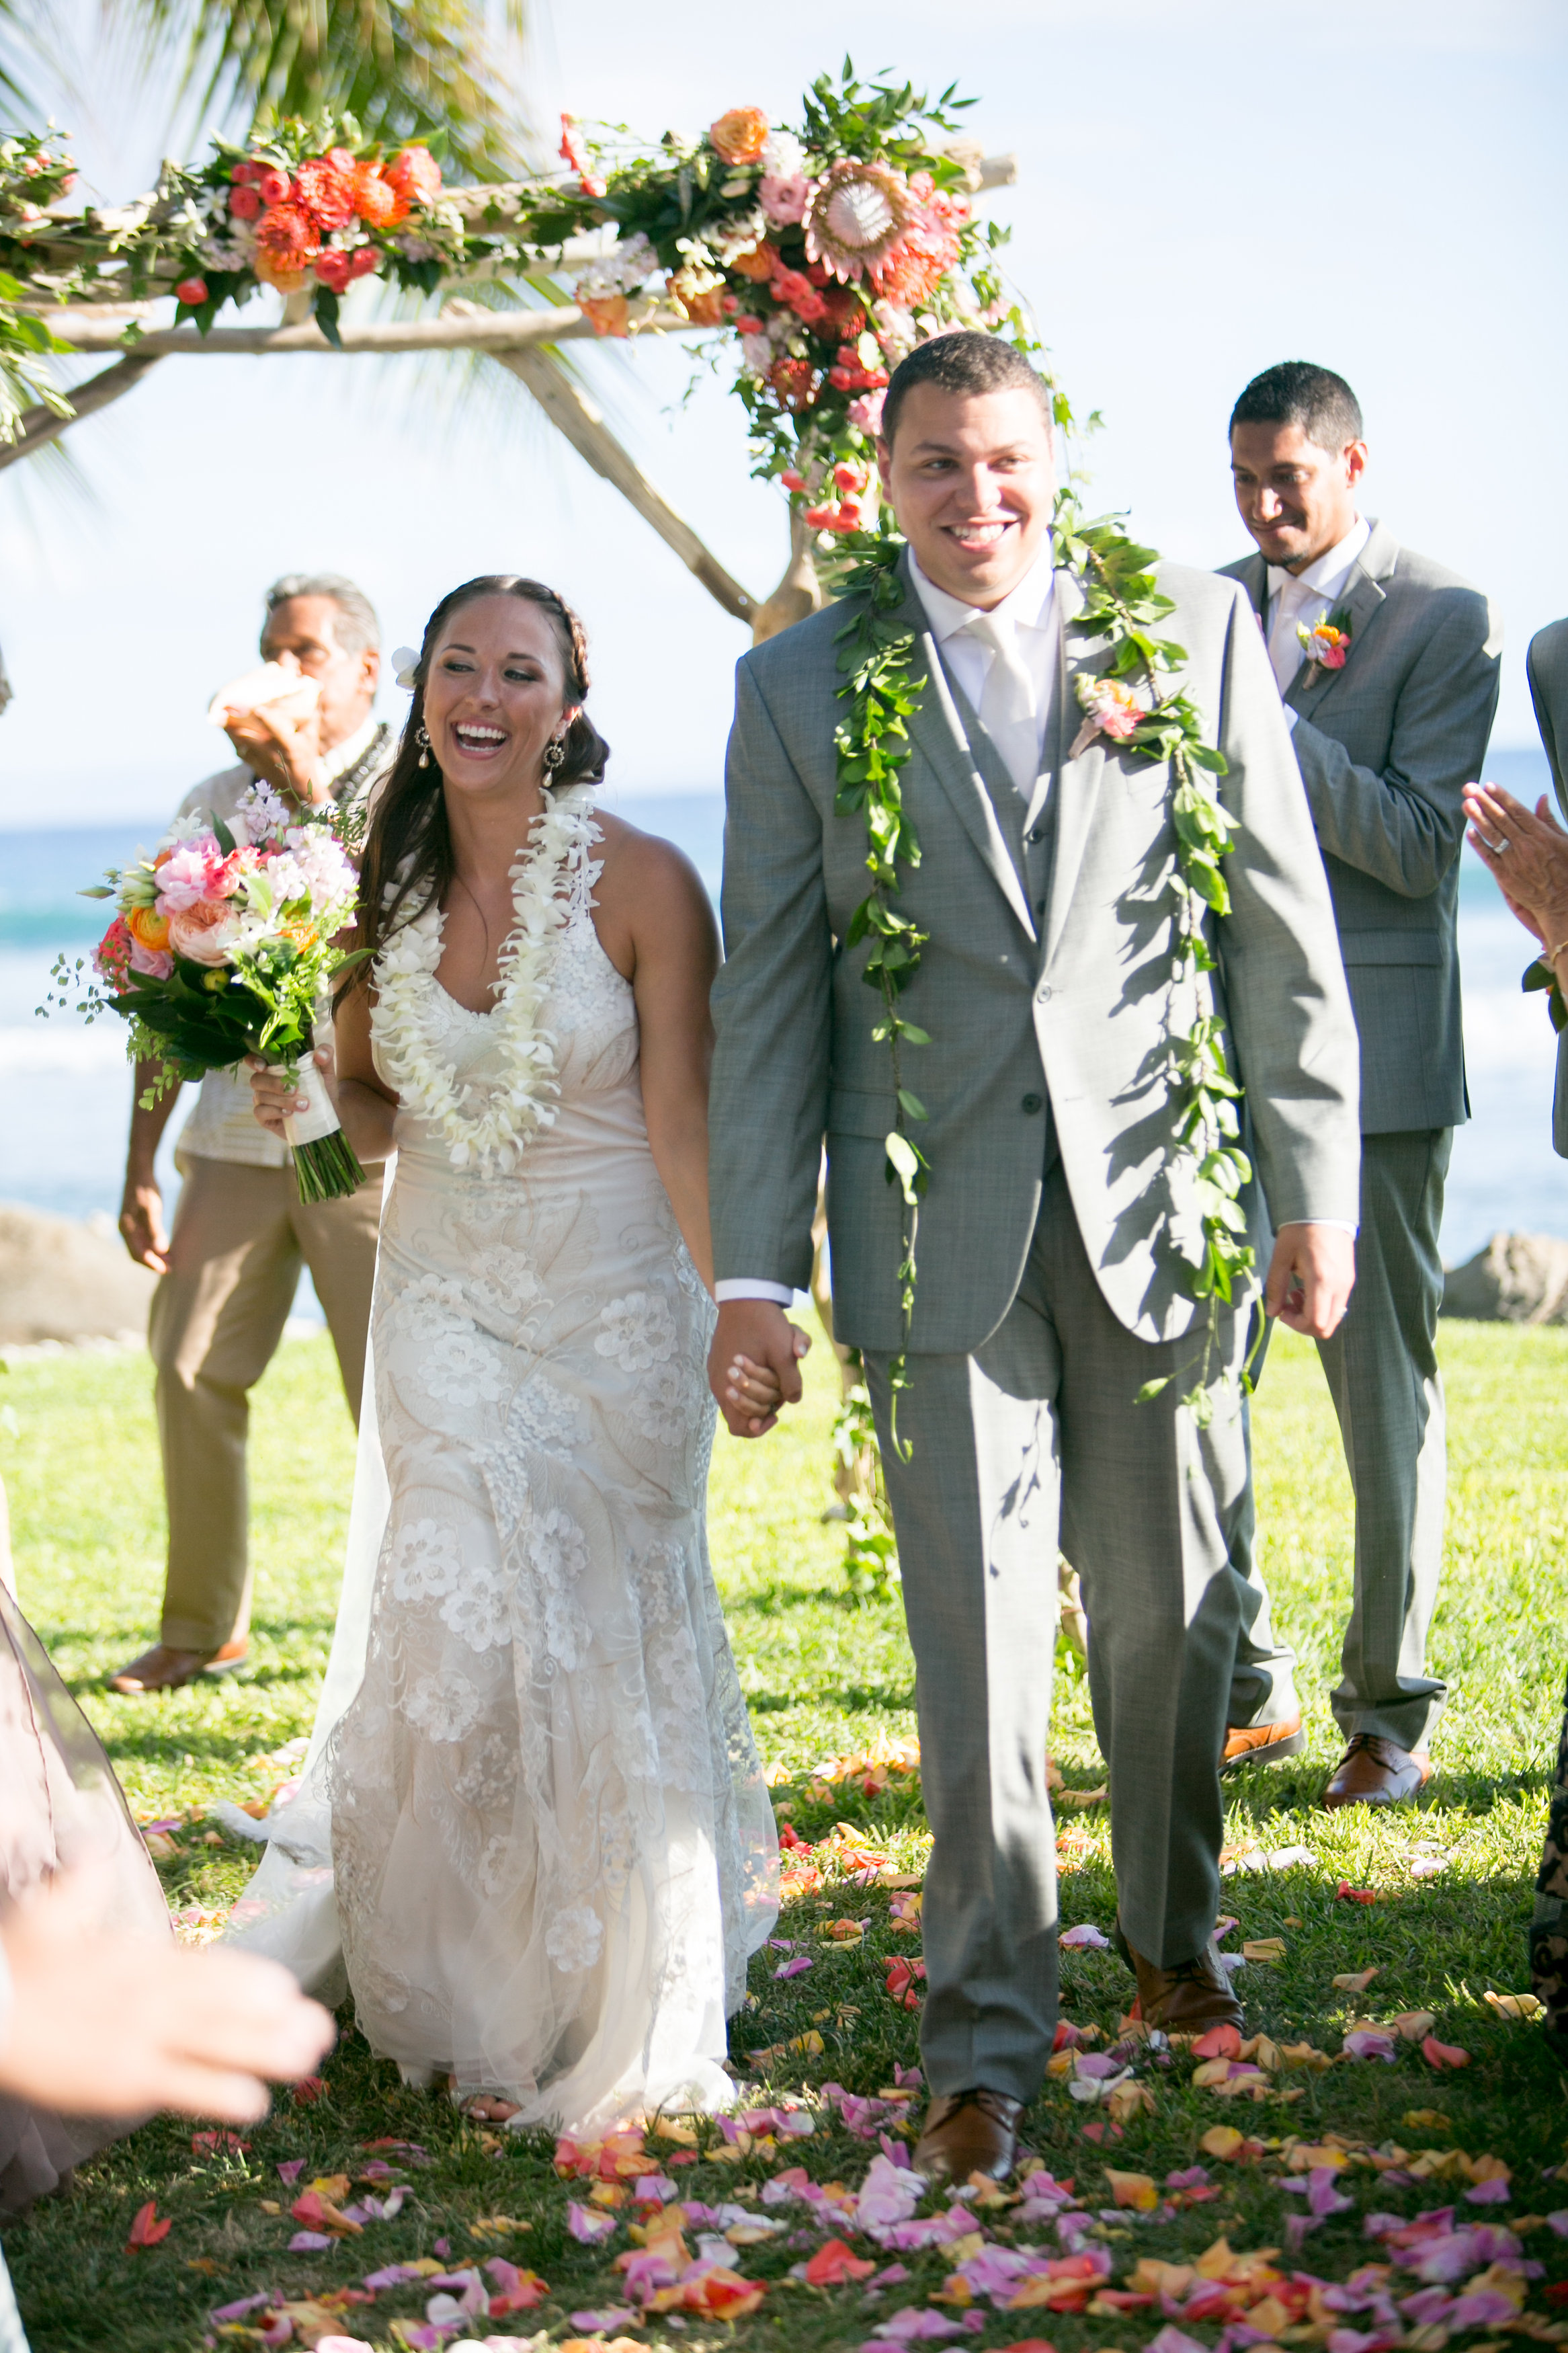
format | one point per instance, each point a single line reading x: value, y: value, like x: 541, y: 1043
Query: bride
x: 552, y: 1850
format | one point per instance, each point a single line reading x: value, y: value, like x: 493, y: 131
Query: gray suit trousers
x: 1039, y: 1431
x: 1381, y: 1370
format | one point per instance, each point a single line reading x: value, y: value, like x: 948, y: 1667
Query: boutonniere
x: 1108, y: 709
x: 1327, y: 645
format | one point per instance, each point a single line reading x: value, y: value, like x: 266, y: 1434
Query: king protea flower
x: 858, y: 214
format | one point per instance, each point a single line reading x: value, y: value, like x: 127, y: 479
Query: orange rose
x: 758, y: 265
x: 416, y: 175
x: 741, y: 135
x: 702, y: 301
x: 146, y: 925
x: 610, y: 314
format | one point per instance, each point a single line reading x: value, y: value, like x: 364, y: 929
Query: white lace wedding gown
x: 552, y: 1842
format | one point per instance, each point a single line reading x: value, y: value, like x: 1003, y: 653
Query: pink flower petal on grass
x: 1495, y: 2192
x: 1084, y: 1937
x: 309, y: 2243
x: 614, y: 2316
x: 797, y: 1967
x: 1444, y: 2055
x: 588, y: 2226
x: 291, y: 2171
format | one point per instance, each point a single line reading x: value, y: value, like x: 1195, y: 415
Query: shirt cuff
x: 1290, y: 718
x: 1339, y: 1225
x: 742, y: 1287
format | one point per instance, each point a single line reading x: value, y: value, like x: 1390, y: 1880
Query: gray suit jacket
x: 1546, y: 667
x: 1071, y: 1005
x: 1386, y: 745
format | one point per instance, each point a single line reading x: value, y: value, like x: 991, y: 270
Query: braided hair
x: 408, y: 844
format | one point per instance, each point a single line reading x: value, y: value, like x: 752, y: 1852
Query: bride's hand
x: 758, y: 1386
x: 274, y: 1100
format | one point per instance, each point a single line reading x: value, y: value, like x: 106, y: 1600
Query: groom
x: 1046, y: 1294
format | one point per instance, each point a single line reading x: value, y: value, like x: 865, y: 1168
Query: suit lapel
x: 1077, y: 781
x: 1361, y: 600
x: 936, y: 731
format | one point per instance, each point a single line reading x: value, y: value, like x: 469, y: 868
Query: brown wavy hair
x: 407, y: 858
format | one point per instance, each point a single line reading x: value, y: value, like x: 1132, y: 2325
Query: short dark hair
x: 964, y: 362
x: 1294, y: 392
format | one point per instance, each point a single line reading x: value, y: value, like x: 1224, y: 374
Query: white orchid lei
x: 485, y: 1129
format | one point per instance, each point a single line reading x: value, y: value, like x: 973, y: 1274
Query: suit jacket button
x: 1031, y: 1103
x: 1042, y: 994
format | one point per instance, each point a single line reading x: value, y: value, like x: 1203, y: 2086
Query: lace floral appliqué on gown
x: 552, y: 1842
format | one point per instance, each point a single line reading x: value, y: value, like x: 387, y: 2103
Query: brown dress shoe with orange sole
x: 162, y: 1669
x: 1187, y: 1998
x: 969, y: 2132
x: 1261, y: 1744
x: 1376, y: 1772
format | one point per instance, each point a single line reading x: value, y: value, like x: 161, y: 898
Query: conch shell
x: 282, y: 693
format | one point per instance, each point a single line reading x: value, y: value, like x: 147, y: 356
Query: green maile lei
x: 1150, y: 713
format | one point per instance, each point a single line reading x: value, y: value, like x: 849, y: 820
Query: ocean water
x: 67, y: 1086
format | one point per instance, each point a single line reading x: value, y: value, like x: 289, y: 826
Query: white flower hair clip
x: 405, y: 662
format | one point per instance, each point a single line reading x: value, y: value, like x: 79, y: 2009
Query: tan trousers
x: 240, y: 1234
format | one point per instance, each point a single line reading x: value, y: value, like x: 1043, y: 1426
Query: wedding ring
x: 1497, y: 848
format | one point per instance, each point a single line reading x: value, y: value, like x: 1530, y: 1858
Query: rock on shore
x: 1517, y: 1279
x: 61, y: 1280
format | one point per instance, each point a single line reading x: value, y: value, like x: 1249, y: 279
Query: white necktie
x: 1284, y: 645
x: 1009, y: 709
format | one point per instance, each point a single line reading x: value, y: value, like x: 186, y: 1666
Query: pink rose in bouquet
x: 206, y: 931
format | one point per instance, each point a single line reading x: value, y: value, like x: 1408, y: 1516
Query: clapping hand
x: 1527, y: 855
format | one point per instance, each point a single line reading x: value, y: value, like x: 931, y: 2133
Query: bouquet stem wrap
x: 325, y: 1166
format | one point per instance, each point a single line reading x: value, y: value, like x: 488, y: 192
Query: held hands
x: 754, y: 1364
x: 274, y: 1100
x: 1310, y: 1278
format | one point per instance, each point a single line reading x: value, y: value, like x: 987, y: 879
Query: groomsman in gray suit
x: 1048, y: 1290
x: 1389, y: 705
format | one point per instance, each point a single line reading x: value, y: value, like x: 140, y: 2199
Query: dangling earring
x: 554, y: 753
x: 424, y: 742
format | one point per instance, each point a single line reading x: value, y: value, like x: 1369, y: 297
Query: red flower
x: 572, y: 150
x: 334, y: 269
x: 792, y: 383
x: 244, y: 201
x: 377, y: 201
x: 917, y: 266
x: 325, y: 190
x: 793, y: 291
x: 271, y: 184
x: 416, y: 175
x: 288, y: 237
x: 363, y: 259
x: 192, y: 293
x: 112, y: 956
x: 243, y: 173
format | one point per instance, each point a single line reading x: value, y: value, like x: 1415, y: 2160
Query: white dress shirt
x: 1296, y: 597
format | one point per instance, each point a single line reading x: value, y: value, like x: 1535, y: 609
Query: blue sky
x: 1202, y: 191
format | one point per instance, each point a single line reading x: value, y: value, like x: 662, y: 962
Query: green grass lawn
x: 824, y: 1677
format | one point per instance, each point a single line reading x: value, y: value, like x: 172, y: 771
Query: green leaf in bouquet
x: 221, y: 833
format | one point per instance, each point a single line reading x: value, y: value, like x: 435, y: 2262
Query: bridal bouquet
x: 223, y: 945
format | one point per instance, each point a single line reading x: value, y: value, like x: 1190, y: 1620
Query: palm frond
x: 407, y: 69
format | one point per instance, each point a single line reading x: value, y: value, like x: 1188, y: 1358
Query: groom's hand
x: 1310, y: 1278
x: 757, y: 1329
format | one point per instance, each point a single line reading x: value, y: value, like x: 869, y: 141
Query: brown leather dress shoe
x: 969, y: 2132
x: 1186, y: 1998
x: 1261, y: 1744
x: 1375, y: 1772
x: 162, y: 1669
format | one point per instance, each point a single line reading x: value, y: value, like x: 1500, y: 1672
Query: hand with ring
x: 1528, y: 855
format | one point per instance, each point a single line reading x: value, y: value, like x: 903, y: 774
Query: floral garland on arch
x: 1137, y: 703
x: 819, y: 255
x: 488, y: 1135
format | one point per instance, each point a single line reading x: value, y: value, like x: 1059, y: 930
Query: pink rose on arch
x: 866, y: 412
x: 205, y: 933
x: 784, y: 200
x: 244, y: 201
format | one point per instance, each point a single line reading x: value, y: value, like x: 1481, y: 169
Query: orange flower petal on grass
x: 147, y: 2228
x: 834, y: 2264
x: 1135, y: 2189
